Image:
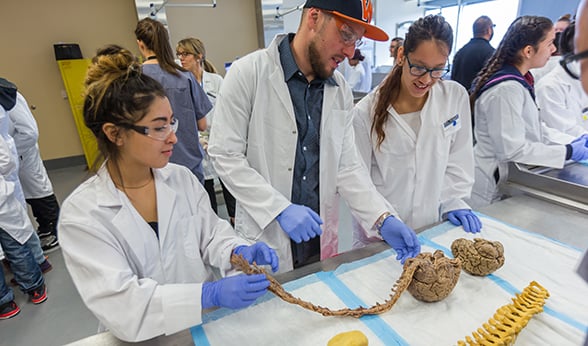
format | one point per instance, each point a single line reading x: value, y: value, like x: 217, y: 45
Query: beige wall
x: 228, y: 30
x: 29, y: 30
x: 31, y: 27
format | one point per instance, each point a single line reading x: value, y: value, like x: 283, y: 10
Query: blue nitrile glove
x: 300, y: 222
x: 259, y: 253
x: 465, y: 217
x: 401, y: 238
x: 234, y: 292
x: 580, y: 148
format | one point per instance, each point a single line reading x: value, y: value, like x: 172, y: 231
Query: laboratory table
x: 522, y: 211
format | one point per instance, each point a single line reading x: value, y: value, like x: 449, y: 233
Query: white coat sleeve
x: 25, y: 131
x: 7, y: 165
x: 459, y: 173
x: 552, y: 100
x: 132, y: 308
x: 355, y: 185
x: 228, y: 145
x: 506, y: 129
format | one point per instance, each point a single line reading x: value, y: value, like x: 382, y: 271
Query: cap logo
x: 366, y: 10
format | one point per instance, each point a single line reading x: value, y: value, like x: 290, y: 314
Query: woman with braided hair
x: 507, y: 124
x: 139, y: 238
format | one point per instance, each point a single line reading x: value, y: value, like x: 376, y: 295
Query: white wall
x: 389, y: 13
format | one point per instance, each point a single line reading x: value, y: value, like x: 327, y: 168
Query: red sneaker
x: 39, y: 295
x: 9, y: 310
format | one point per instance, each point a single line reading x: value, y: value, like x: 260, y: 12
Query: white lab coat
x: 252, y: 146
x: 211, y: 83
x: 32, y: 173
x: 508, y: 129
x: 14, y: 218
x: 426, y: 175
x: 563, y: 103
x: 137, y: 285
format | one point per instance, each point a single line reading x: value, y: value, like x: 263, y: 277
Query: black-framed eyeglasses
x: 569, y: 59
x: 183, y: 54
x: 419, y: 71
x: 160, y: 133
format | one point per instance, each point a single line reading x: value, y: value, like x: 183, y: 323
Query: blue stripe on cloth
x: 200, y: 333
x: 199, y: 336
x: 536, y: 235
x: 508, y: 287
x: 373, y: 322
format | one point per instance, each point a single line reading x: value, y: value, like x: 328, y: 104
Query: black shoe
x: 42, y: 233
x: 39, y: 295
x: 49, y: 244
x: 9, y: 310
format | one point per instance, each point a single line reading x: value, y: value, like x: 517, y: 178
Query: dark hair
x: 566, y: 39
x: 154, y: 35
x: 431, y: 27
x: 523, y: 31
x: 397, y: 39
x: 116, y: 92
x: 481, y: 26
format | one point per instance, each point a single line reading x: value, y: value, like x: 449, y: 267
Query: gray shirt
x: 189, y: 104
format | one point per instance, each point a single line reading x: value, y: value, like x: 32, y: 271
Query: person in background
x: 508, y: 127
x: 192, y: 55
x: 472, y: 57
x: 562, y: 23
x: 581, y: 53
x: 37, y: 188
x: 395, y: 43
x: 141, y: 230
x: 562, y: 102
x: 354, y: 72
x: 416, y: 118
x: 9, y: 96
x: 17, y: 235
x: 188, y: 100
x: 282, y: 140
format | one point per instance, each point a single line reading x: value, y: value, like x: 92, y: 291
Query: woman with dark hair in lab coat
x: 414, y: 133
x: 139, y: 238
x: 508, y: 126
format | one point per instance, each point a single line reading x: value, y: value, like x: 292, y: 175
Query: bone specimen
x: 509, y: 320
x: 479, y: 257
x: 426, y: 260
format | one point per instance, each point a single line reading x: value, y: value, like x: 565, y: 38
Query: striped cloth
x: 529, y: 257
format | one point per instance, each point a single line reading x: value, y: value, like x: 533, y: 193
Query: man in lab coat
x: 282, y: 140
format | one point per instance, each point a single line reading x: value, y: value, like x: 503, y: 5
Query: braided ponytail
x: 523, y: 31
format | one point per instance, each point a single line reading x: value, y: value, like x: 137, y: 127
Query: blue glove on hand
x: 259, y: 253
x: 300, y: 222
x: 465, y: 217
x: 234, y: 292
x: 580, y: 148
x: 401, y: 238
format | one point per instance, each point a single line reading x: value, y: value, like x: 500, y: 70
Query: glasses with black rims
x: 419, y: 71
x: 348, y: 35
x: 160, y: 133
x: 183, y: 54
x: 568, y: 61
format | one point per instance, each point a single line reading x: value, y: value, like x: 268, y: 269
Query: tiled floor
x: 63, y: 318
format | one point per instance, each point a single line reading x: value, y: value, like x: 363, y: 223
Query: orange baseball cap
x: 355, y: 11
